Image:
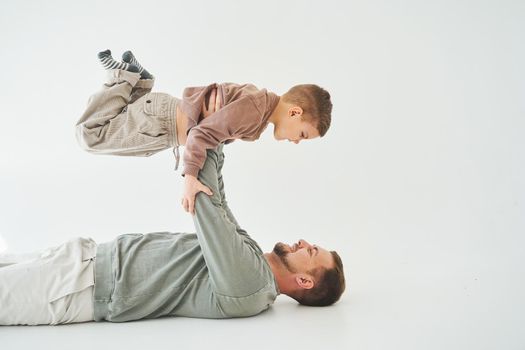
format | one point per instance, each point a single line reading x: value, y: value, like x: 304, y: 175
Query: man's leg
x: 53, y: 286
x: 12, y: 259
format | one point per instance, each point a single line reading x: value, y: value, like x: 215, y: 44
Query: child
x: 126, y: 118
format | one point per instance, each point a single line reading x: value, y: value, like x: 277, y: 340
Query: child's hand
x: 192, y: 186
x: 214, y: 104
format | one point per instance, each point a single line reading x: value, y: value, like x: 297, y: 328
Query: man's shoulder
x: 249, y: 305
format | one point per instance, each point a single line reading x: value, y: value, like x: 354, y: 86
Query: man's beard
x: 281, y: 251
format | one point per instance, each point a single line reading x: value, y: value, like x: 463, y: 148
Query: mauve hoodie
x: 244, y: 115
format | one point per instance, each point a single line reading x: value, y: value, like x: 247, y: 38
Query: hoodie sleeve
x: 235, y: 120
x: 192, y: 98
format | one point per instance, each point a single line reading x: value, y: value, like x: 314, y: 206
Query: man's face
x: 295, y: 128
x: 302, y: 257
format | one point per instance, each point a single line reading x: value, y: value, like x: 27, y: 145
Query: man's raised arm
x: 232, y: 257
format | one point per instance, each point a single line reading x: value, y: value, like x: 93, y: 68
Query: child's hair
x: 315, y: 102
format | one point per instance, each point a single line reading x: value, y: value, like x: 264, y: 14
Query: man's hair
x: 330, y: 284
x: 315, y: 102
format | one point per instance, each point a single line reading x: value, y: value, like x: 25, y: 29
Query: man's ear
x: 304, y: 281
x: 295, y: 111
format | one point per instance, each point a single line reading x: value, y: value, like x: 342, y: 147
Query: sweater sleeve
x: 232, y: 121
x: 234, y: 260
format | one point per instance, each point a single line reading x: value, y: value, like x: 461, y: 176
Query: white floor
x: 402, y: 308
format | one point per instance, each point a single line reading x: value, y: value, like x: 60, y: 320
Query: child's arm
x: 192, y: 185
x: 234, y: 120
x: 214, y: 104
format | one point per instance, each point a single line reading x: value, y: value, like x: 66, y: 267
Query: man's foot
x: 129, y: 58
x: 109, y: 63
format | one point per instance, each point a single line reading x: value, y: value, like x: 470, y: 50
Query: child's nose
x: 303, y: 243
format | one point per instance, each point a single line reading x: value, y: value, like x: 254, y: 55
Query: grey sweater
x: 217, y: 272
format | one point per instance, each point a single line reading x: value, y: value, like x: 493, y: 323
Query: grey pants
x: 125, y: 118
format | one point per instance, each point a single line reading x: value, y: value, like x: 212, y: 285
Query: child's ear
x: 295, y: 111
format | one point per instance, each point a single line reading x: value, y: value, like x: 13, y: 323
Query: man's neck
x: 277, y: 270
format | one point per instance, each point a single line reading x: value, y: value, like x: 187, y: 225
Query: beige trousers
x: 53, y: 286
x: 125, y: 118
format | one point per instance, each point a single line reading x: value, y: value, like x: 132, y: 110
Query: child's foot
x: 109, y: 63
x: 129, y: 58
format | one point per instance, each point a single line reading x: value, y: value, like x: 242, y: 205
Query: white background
x: 419, y: 183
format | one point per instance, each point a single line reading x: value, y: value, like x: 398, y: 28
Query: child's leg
x: 112, y: 124
x: 140, y: 89
x: 128, y: 57
x: 145, y: 83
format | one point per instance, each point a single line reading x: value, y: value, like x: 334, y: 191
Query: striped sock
x: 109, y: 63
x: 128, y: 57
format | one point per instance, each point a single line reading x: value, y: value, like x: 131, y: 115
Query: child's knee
x: 82, y: 140
x: 87, y: 140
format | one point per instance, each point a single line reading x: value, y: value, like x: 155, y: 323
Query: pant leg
x: 54, y: 286
x: 140, y: 89
x: 110, y: 101
x: 75, y: 307
x: 11, y: 259
x: 125, y: 118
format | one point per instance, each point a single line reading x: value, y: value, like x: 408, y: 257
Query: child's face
x: 294, y: 129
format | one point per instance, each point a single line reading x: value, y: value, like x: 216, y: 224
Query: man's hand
x: 192, y: 186
x: 214, y: 104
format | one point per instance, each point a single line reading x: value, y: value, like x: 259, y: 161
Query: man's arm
x: 233, y: 259
x: 224, y: 202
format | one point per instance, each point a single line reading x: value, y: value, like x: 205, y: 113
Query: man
x: 218, y: 272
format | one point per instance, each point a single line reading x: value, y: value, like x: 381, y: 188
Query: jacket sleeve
x: 230, y: 122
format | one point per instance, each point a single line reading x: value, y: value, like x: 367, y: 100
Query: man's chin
x: 280, y: 249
